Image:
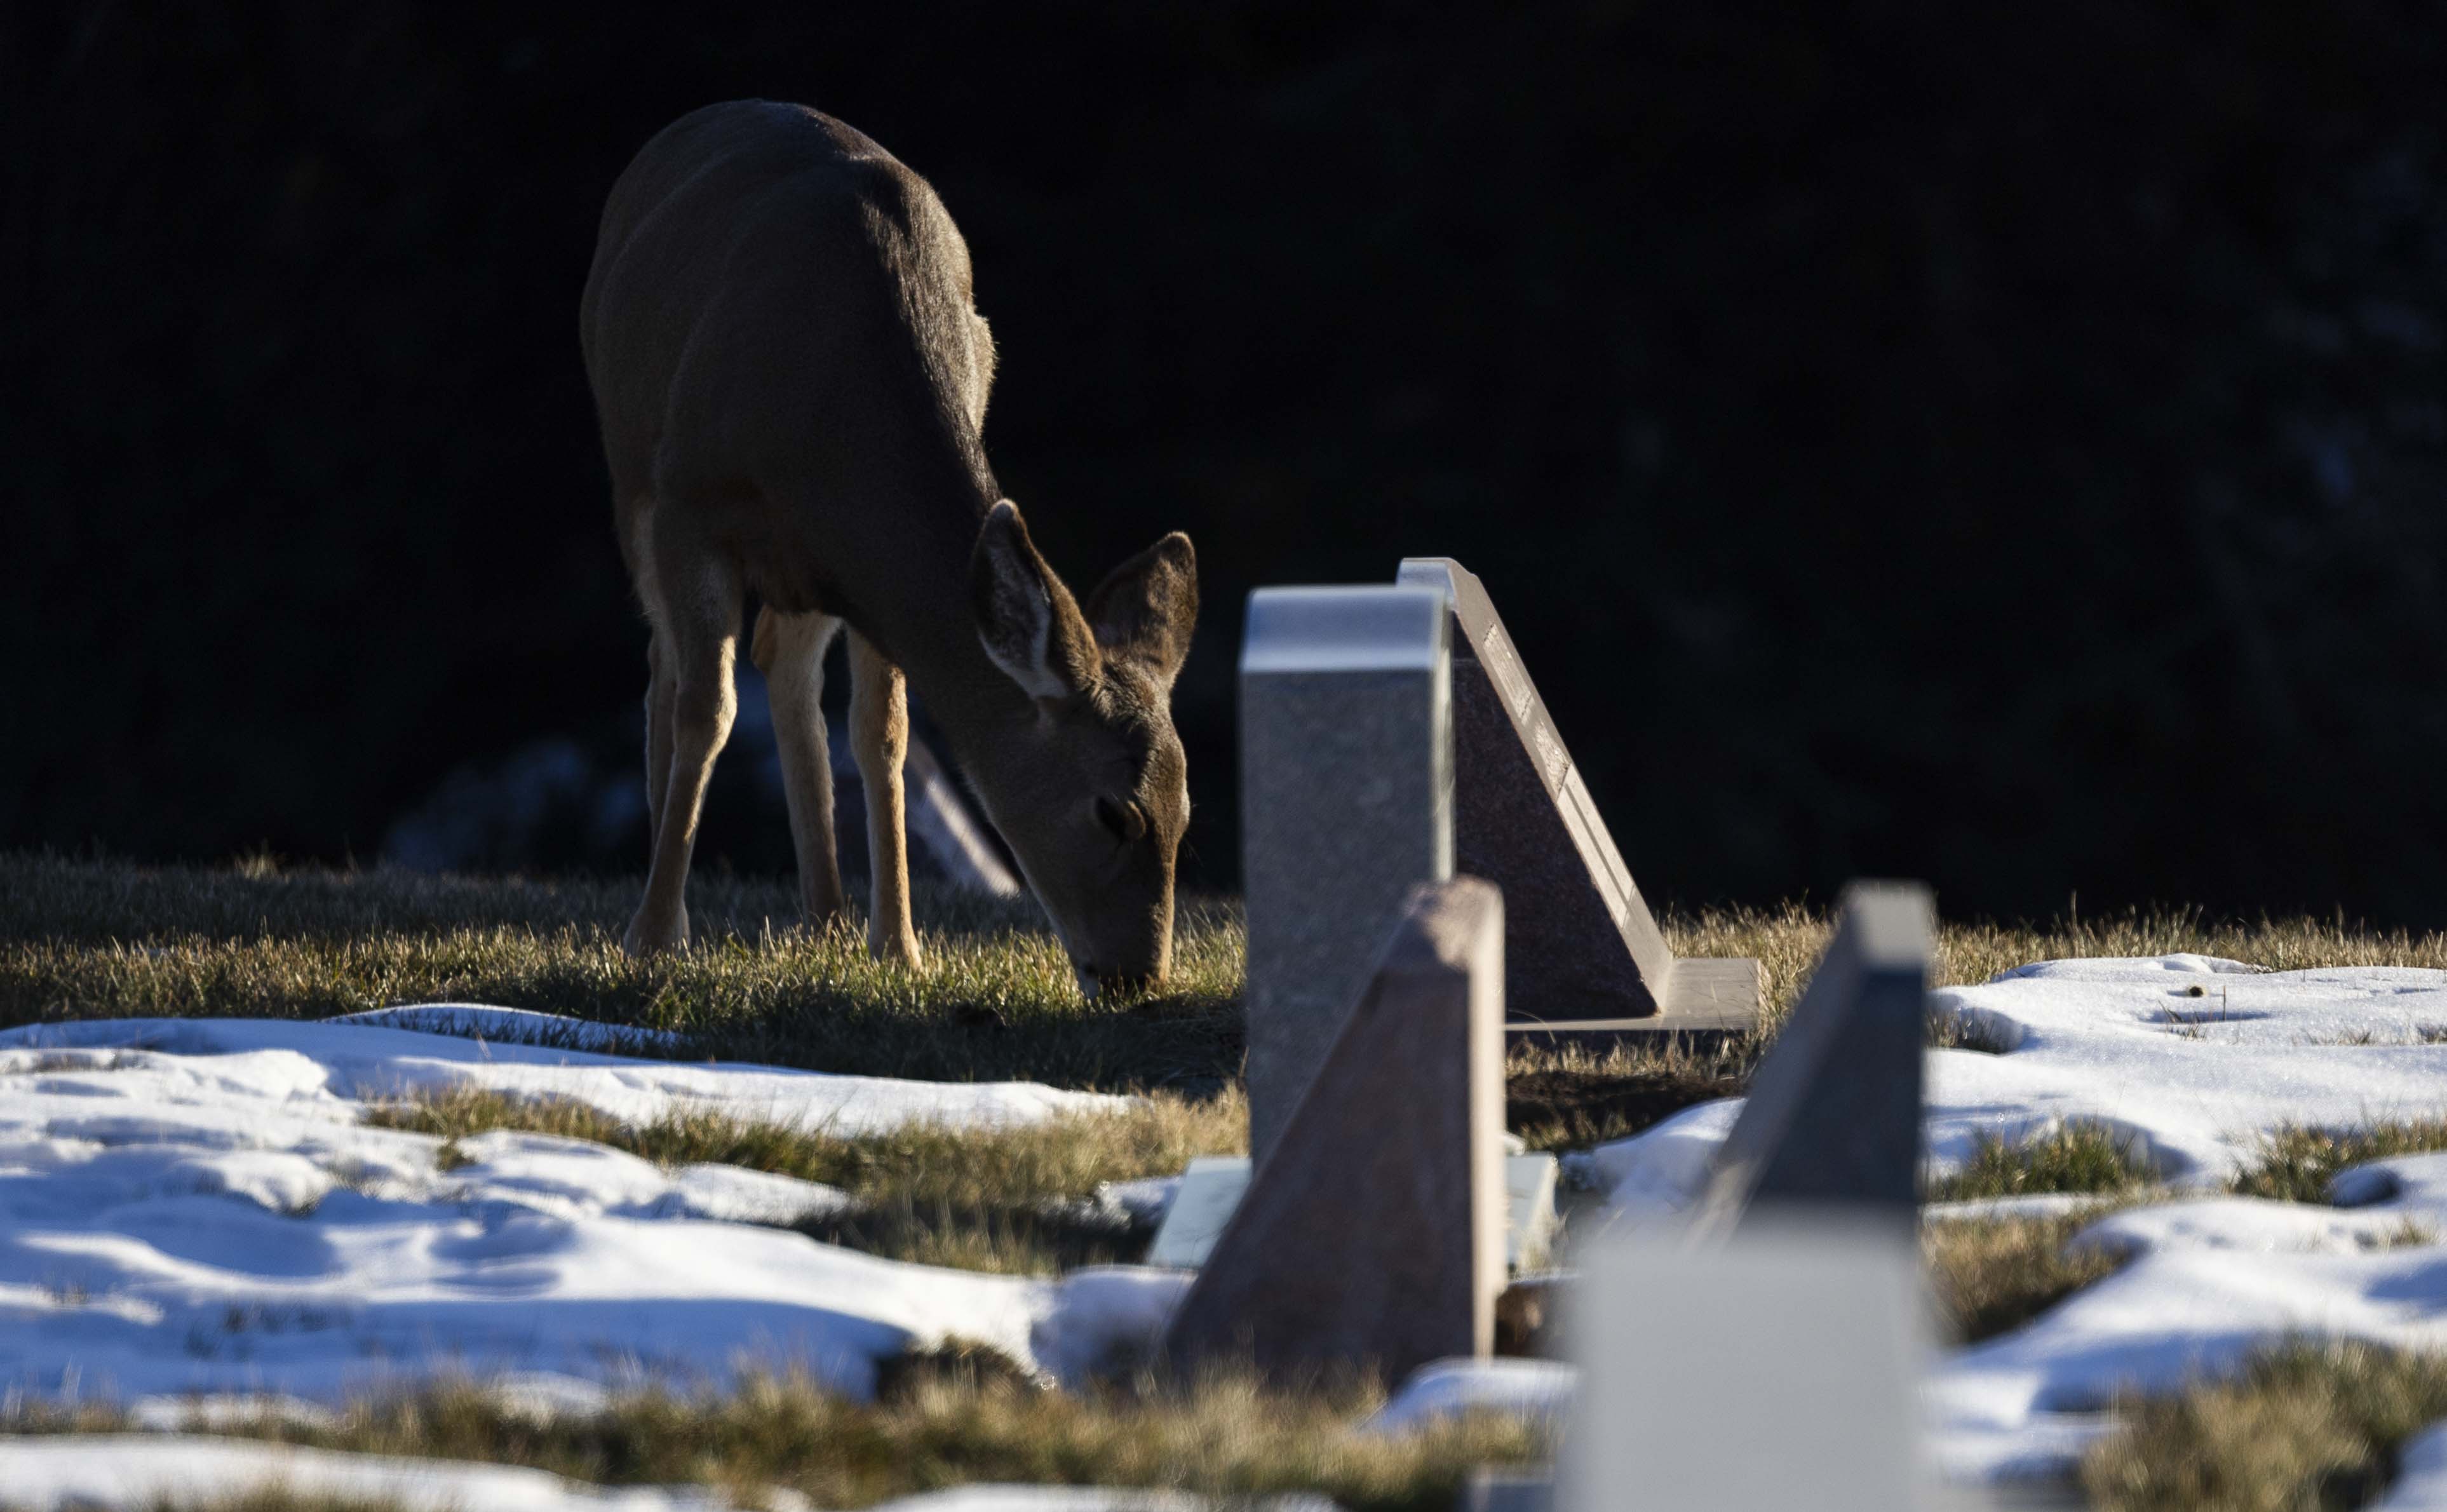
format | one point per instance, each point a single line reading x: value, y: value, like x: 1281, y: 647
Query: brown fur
x: 791, y: 380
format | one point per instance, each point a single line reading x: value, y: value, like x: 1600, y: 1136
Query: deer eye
x: 1125, y: 820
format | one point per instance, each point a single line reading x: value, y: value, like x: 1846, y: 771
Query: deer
x: 791, y: 375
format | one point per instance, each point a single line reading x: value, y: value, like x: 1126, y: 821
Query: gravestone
x: 1781, y: 1369
x: 1346, y: 804
x: 1372, y: 1237
x: 1833, y: 1117
x: 1585, y: 955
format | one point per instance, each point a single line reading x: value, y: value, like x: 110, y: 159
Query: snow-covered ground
x: 195, y: 1207
x: 2193, y: 1060
x: 80, y: 1473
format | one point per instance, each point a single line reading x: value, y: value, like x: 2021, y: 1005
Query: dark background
x: 1998, y: 445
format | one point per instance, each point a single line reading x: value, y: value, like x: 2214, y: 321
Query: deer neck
x: 921, y: 621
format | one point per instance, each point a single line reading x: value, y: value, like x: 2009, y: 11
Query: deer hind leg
x: 879, y: 722
x: 696, y: 626
x: 789, y: 650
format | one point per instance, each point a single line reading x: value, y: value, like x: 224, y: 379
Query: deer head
x: 1090, y: 789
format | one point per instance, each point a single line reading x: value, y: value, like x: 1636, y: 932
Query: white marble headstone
x: 1777, y: 1371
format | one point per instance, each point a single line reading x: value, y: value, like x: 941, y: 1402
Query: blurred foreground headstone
x: 1346, y: 804
x: 1778, y: 1371
x: 1833, y: 1118
x: 1583, y: 955
x: 1372, y: 1235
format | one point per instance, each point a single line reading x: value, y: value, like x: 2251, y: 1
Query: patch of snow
x: 1088, y: 1499
x: 135, y: 1471
x: 1144, y: 1202
x: 2031, y: 1205
x: 195, y: 1207
x: 2421, y: 1475
x: 1102, y: 1315
x: 515, y: 1026
x: 2190, y: 1059
x: 1506, y: 1385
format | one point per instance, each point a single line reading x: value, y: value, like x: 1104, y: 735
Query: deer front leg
x: 660, y: 686
x: 879, y: 718
x: 789, y: 650
x: 698, y: 637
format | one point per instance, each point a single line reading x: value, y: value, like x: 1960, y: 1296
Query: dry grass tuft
x: 1223, y: 1436
x: 2305, y: 1429
x: 2297, y: 1165
x: 1992, y: 1276
x: 2079, y: 1158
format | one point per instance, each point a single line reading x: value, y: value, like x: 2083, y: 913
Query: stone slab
x: 1214, y: 1185
x: 1507, y: 1491
x: 1372, y: 1237
x: 1583, y: 945
x: 1705, y: 995
x: 1210, y: 1191
x: 1833, y: 1117
x: 1781, y: 1369
x: 1346, y: 804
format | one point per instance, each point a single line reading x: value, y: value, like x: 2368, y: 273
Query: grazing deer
x: 791, y: 380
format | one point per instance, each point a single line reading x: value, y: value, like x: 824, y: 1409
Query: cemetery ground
x: 1029, y: 1200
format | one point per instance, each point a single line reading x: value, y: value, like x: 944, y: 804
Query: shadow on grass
x: 84, y: 938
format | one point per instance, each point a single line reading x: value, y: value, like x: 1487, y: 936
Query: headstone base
x: 1703, y: 996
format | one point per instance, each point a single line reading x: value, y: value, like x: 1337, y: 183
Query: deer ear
x: 1028, y: 621
x: 1145, y: 609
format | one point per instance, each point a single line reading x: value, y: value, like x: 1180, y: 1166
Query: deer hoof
x: 898, y: 952
x: 651, y: 936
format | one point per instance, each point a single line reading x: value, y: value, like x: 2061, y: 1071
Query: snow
x: 1088, y: 1499
x: 143, y: 1470
x: 195, y: 1207
x: 1450, y: 1389
x: 2421, y: 1476
x: 352, y: 1060
x: 2194, y: 1060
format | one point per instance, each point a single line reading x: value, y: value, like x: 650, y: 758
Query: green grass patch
x: 1221, y: 1436
x: 2296, y: 1165
x: 2077, y: 1157
x: 991, y: 1199
x: 998, y: 1001
x: 2304, y: 1428
x: 84, y: 937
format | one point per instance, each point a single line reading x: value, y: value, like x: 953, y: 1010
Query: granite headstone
x: 1372, y: 1237
x: 1346, y: 804
x: 1584, y: 946
x: 1833, y: 1118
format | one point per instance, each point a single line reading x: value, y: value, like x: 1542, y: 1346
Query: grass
x: 979, y: 1198
x: 1992, y: 1276
x: 2297, y: 1165
x: 1222, y: 1435
x: 87, y: 937
x: 2304, y: 1428
x: 2077, y: 1157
